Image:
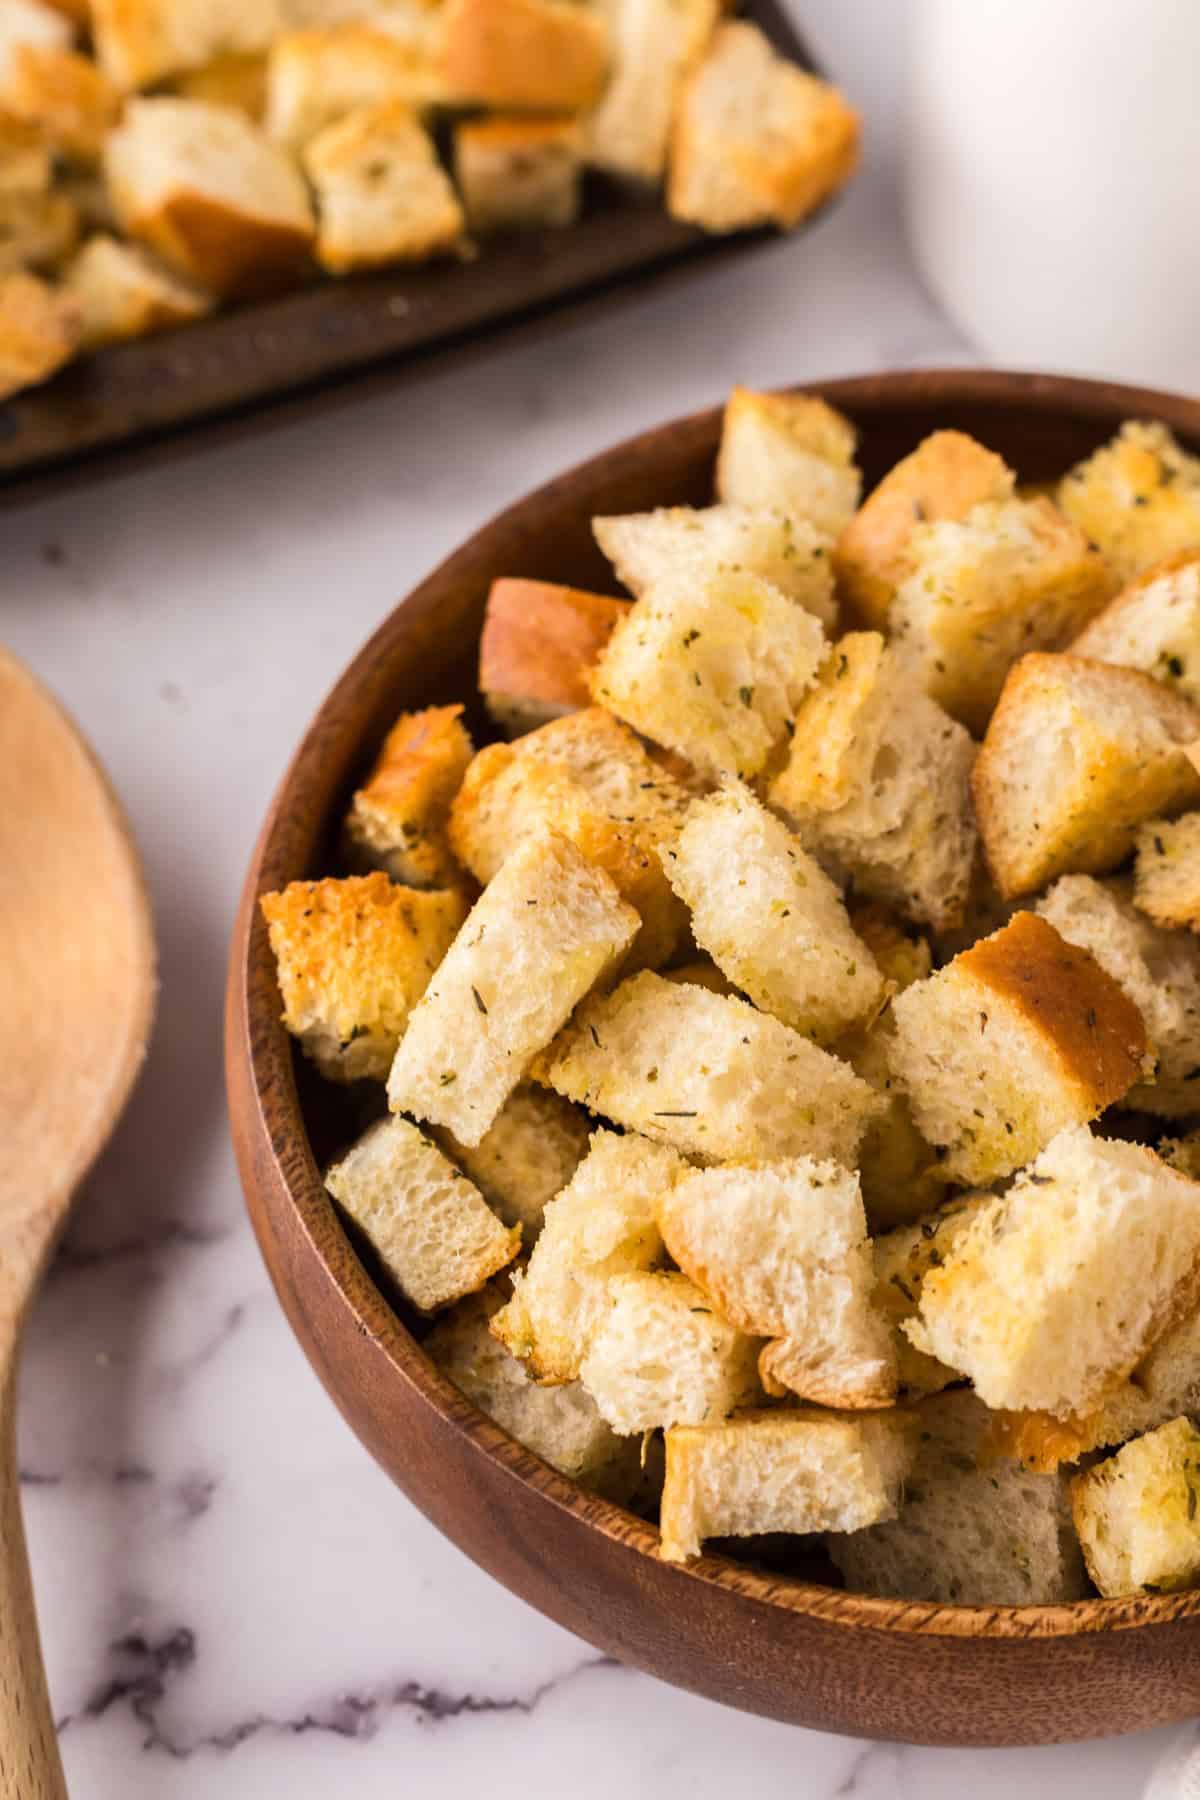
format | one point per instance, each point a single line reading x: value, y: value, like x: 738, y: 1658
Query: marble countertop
x: 235, y: 1601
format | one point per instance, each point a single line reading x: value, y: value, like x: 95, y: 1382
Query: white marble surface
x: 235, y: 1600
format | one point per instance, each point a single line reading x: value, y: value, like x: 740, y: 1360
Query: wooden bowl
x: 771, y: 1643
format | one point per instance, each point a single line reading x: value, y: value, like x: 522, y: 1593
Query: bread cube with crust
x: 25, y: 160
x: 539, y: 643
x: 549, y: 926
x: 654, y: 44
x: 37, y: 231
x: 791, y: 452
x: 122, y: 291
x: 39, y: 331
x: 1078, y: 755
x: 799, y: 1470
x: 237, y: 79
x: 1153, y: 625
x: 398, y: 818
x: 527, y: 1157
x: 519, y: 173
x: 1166, y: 871
x: 138, y: 42
x: 1136, y: 1514
x: 522, y: 55
x: 901, y: 1259
x: 1137, y: 498
x: 315, y: 77
x: 382, y: 195
x: 63, y: 93
x: 34, y: 23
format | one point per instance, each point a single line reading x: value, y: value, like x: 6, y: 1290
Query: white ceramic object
x: 1052, y: 180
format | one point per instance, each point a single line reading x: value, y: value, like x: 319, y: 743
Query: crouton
x: 315, y: 77
x: 756, y: 140
x: 1057, y: 1288
x: 528, y: 55
x: 603, y: 1224
x: 943, y: 478
x: 1077, y: 756
x: 382, y: 195
x: 901, y: 1259
x: 901, y: 954
x: 238, y: 80
x: 1166, y: 872
x: 661, y: 1356
x: 213, y: 196
x: 781, y: 1250
x: 539, y: 642
x: 770, y: 917
x: 1158, y: 970
x: 709, y: 1074
x: 1137, y: 498
x: 138, y: 44
x: 1015, y: 1039
x: 122, y: 291
x: 790, y: 452
x: 972, y: 1530
x: 1136, y: 1514
x: 25, y: 162
x: 654, y: 45
x: 547, y: 928
x: 518, y: 174
x: 64, y: 94
x: 900, y: 1173
x: 559, y: 1424
x: 1011, y: 577
x: 526, y: 1158
x: 30, y: 22
x: 588, y: 777
x: 876, y: 784
x: 353, y: 959
x: 713, y: 668
x: 397, y: 820
x: 798, y: 1471
x: 429, y: 1226
x: 648, y: 548
x: 1153, y: 625
x: 37, y: 231
x: 39, y: 332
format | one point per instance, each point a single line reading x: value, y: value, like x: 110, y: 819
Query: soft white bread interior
x: 901, y: 1259
x: 1153, y: 625
x: 315, y: 77
x: 654, y: 44
x: 792, y: 452
x: 519, y: 174
x: 1137, y: 1514
x: 1137, y: 498
x: 530, y: 1153
x: 382, y: 195
x: 1166, y: 871
x: 122, y: 291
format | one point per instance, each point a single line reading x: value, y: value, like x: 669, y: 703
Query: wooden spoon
x: 77, y: 987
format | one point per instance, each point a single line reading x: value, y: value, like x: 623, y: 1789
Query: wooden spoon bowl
x: 773, y: 1643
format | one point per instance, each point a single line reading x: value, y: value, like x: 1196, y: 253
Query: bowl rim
x: 255, y: 1037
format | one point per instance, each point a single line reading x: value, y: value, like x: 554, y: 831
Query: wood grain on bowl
x: 774, y: 1644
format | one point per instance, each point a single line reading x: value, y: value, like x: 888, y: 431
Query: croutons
x: 518, y: 174
x: 37, y: 231
x: 397, y: 820
x: 712, y: 668
x: 316, y: 77
x: 972, y: 1530
x: 770, y: 917
x: 1078, y: 754
x: 530, y: 55
x: 527, y: 1157
x: 791, y: 452
x: 781, y: 1249
x: 756, y: 140
x: 661, y: 1355
x: 1017, y: 1038
x: 789, y: 552
x: 709, y: 1074
x: 944, y: 478
x: 122, y: 291
x: 876, y: 783
x: 427, y: 1223
x: 210, y: 193
x: 25, y: 161
x: 654, y: 44
x: 1137, y: 498
x: 238, y: 79
x: 64, y: 94
x: 31, y: 22
x: 902, y: 1258
x: 800, y: 1471
x: 139, y: 44
x: 1057, y: 1288
x: 1153, y: 625
x: 1166, y: 872
x: 1011, y: 577
x: 1136, y: 1514
x: 353, y: 959
x: 549, y: 925
x: 604, y: 1223
x: 539, y: 643
x: 382, y: 195
x: 39, y: 331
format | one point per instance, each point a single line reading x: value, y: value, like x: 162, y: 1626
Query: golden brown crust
x: 238, y: 80
x: 784, y: 1370
x: 404, y: 806
x: 221, y: 248
x: 39, y: 331
x: 540, y: 640
x: 540, y: 54
x: 520, y: 133
x: 65, y: 94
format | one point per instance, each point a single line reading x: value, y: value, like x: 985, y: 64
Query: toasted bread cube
x: 1017, y: 1038
x: 770, y: 917
x: 876, y: 783
x: 63, y: 93
x: 1153, y: 625
x: 709, y: 1074
x: 25, y: 160
x: 30, y: 25
x: 559, y: 1424
x: 397, y: 820
x: 648, y: 548
x: 548, y: 927
x: 1158, y: 970
x: 353, y: 959
x: 1136, y: 1514
x: 529, y: 1155
x: 539, y: 642
x: 39, y: 332
x: 382, y: 195
x: 429, y: 1225
x: 712, y: 668
x: 528, y: 55
x: 1011, y: 577
x: 122, y: 291
x: 517, y: 173
x: 238, y: 79
x: 944, y: 478
x: 1059, y: 1287
x: 661, y: 1355
x: 210, y: 193
x: 790, y: 452
x: 604, y: 1223
x: 972, y: 1530
x: 1137, y: 498
x: 316, y: 77
x: 138, y: 42
x: 902, y: 1258
x: 799, y: 1471
x: 782, y: 1251
x: 1166, y: 873
x: 756, y: 140
x: 654, y: 45
x: 37, y: 231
